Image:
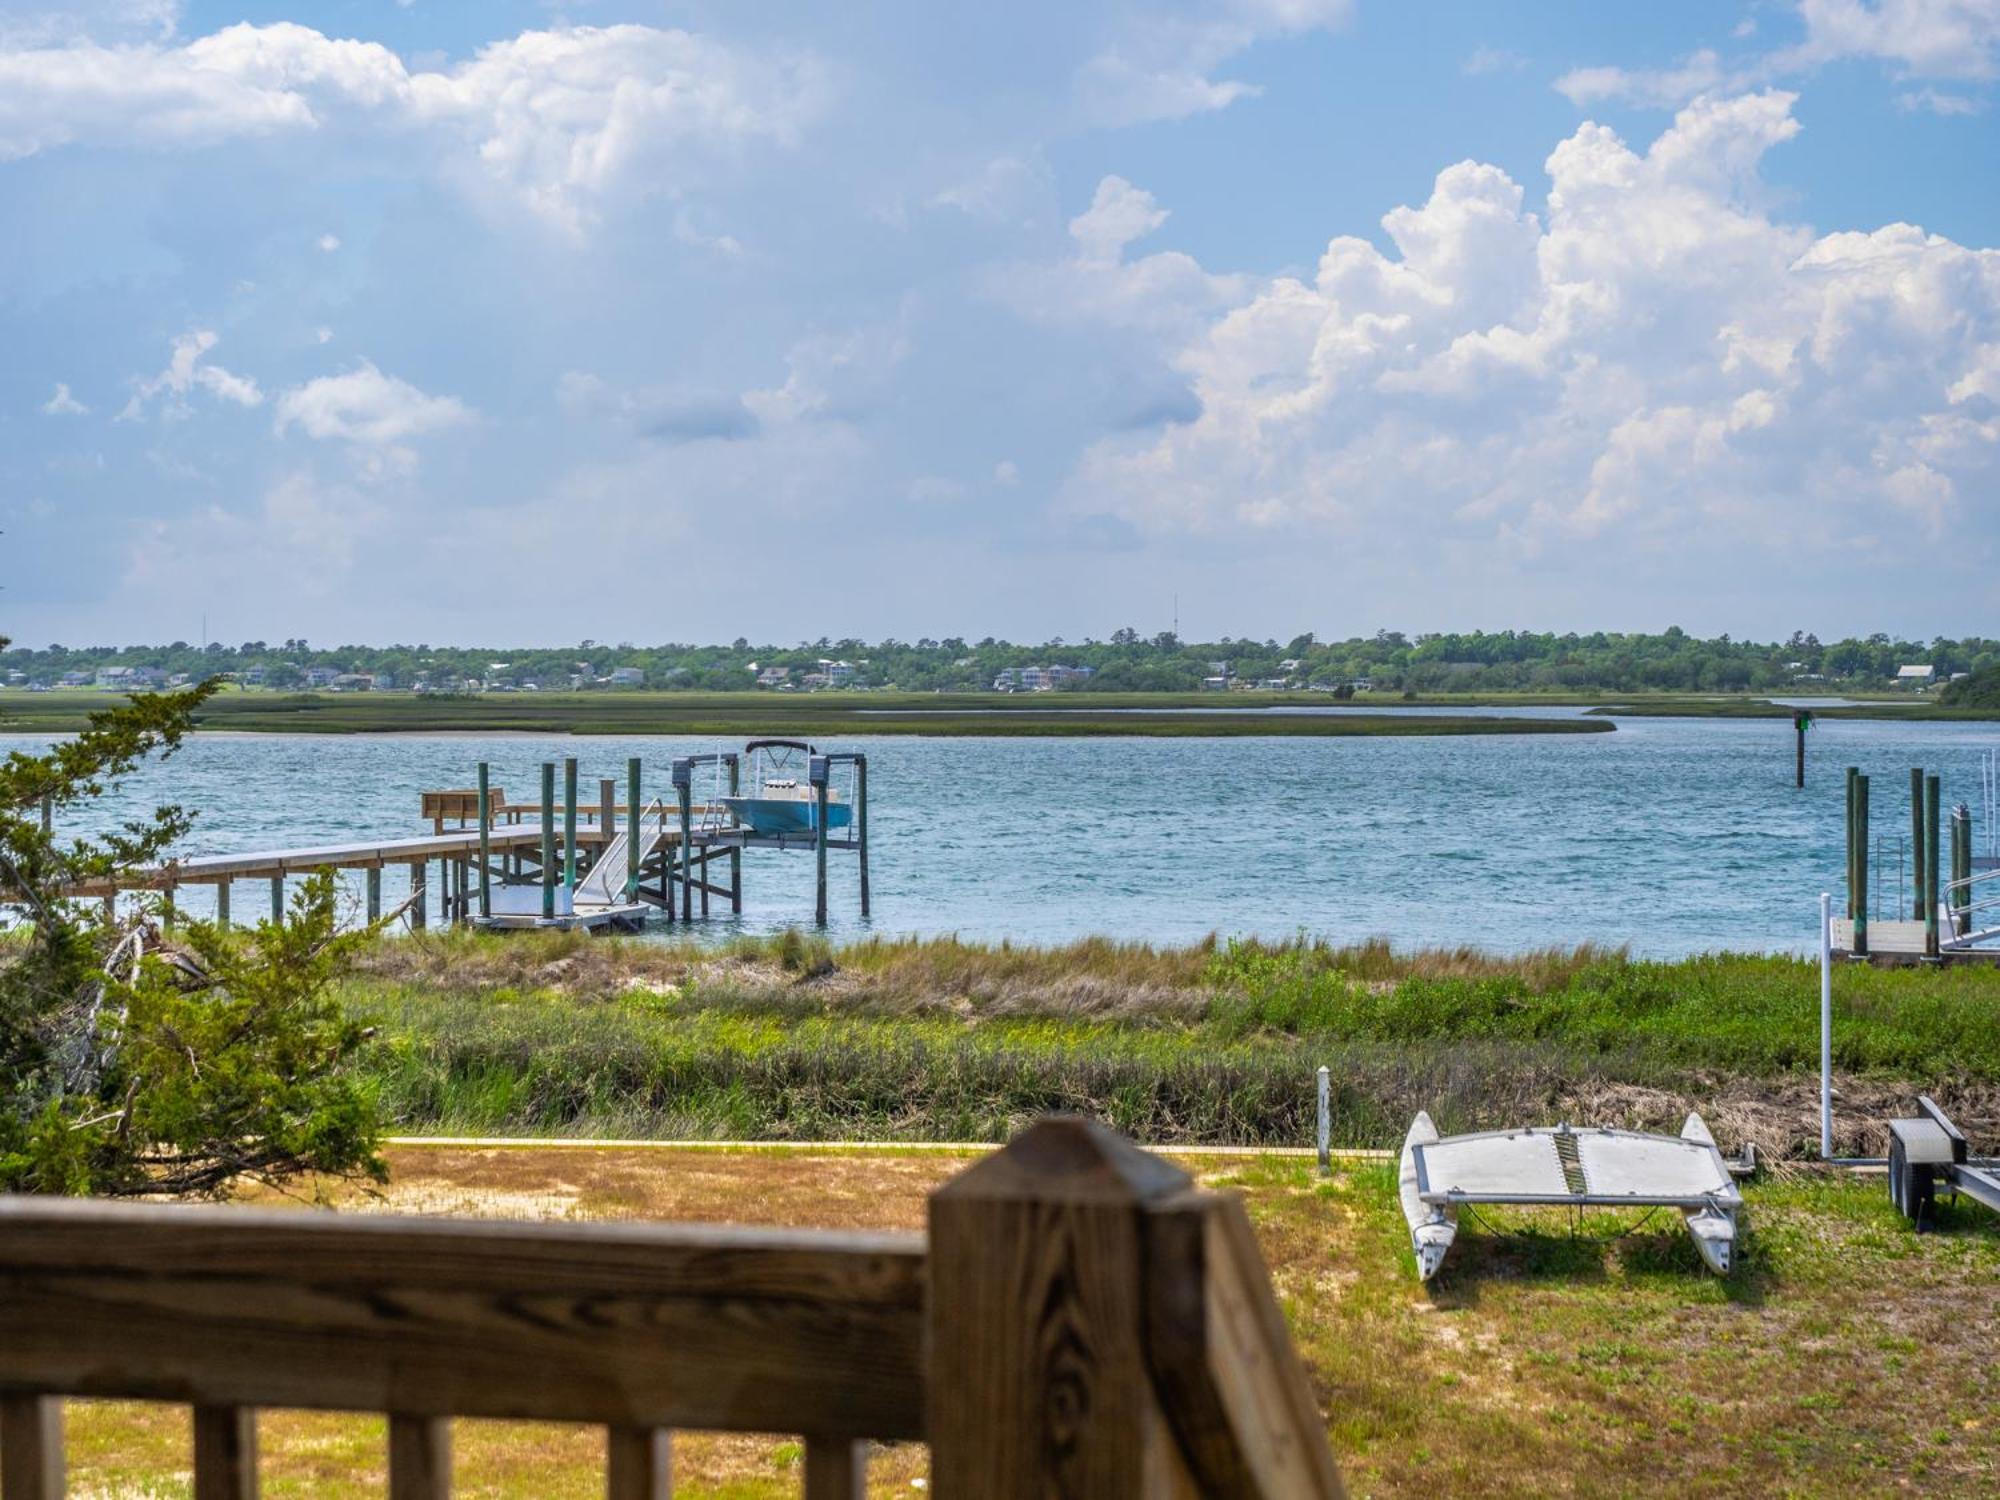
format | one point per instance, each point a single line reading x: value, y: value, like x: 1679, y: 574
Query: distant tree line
x: 1670, y: 661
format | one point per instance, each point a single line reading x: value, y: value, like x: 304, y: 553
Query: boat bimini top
x: 1567, y: 1168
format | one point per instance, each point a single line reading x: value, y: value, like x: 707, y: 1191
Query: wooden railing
x: 1082, y: 1323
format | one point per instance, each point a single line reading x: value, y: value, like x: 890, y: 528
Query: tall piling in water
x: 1933, y: 791
x: 548, y: 838
x: 485, y: 840
x: 1860, y: 863
x: 1917, y: 842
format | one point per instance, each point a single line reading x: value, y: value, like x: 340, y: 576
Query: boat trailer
x: 1569, y: 1168
x: 1929, y: 1151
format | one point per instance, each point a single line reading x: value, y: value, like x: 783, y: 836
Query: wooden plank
x: 638, y: 1325
x: 836, y: 1469
x: 1222, y: 1357
x: 31, y: 1447
x: 225, y: 1453
x: 419, y: 1457
x: 639, y: 1463
x: 1039, y: 1383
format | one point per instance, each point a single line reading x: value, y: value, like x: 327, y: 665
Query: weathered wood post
x: 735, y: 854
x: 1961, y: 869
x: 222, y: 904
x: 684, y: 799
x: 31, y: 1447
x: 548, y: 838
x: 1917, y: 841
x: 1933, y: 792
x: 1801, y: 722
x: 225, y: 1452
x: 1861, y: 864
x: 861, y: 825
x: 373, y: 880
x: 607, y: 818
x: 816, y: 773
x: 1853, y: 772
x: 48, y: 814
x: 569, y: 822
x: 278, y: 899
x: 632, y: 829
x: 485, y: 841
x: 418, y: 916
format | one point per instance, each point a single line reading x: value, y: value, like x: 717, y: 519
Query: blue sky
x: 372, y: 321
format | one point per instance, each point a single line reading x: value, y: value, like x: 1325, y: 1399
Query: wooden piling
x: 607, y: 815
x: 684, y: 794
x: 222, y: 904
x: 1933, y: 791
x: 485, y: 841
x: 1961, y: 869
x: 1917, y: 842
x: 861, y: 825
x: 632, y: 828
x: 1853, y: 772
x: 1800, y: 720
x: 373, y: 880
x: 1861, y: 863
x: 569, y: 822
x: 819, y: 775
x: 418, y: 916
x: 548, y: 838
x: 735, y: 855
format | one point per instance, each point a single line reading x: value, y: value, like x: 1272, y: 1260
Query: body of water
x: 1672, y: 836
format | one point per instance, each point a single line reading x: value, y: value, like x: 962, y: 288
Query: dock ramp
x: 604, y: 885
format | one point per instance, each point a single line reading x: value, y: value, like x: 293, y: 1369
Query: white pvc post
x: 1825, y: 1026
x: 1325, y: 1120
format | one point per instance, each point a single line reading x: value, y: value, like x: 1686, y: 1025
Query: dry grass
x: 1845, y: 1358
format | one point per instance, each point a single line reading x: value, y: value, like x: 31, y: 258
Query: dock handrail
x: 604, y: 883
x: 1081, y: 1321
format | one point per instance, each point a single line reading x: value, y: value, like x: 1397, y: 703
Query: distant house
x: 319, y: 677
x: 131, y: 679
x: 627, y: 677
x: 253, y: 676
x: 76, y: 679
x: 772, y: 677
x: 1214, y: 684
x: 1916, y: 677
x: 1275, y: 684
x: 836, y: 673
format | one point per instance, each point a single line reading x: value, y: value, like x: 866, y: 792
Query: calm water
x: 1671, y: 835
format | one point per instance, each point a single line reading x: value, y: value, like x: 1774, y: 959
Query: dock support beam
x: 684, y: 795
x: 861, y: 825
x: 1961, y: 870
x: 548, y: 838
x: 817, y: 773
x: 569, y: 822
x: 607, y: 815
x: 278, y: 899
x: 373, y: 880
x: 1917, y: 842
x: 485, y: 840
x: 222, y: 904
x: 1852, y: 773
x: 1933, y: 791
x: 632, y: 829
x: 1860, y: 863
x: 735, y: 855
x: 418, y: 916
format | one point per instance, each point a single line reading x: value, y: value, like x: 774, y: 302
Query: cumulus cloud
x: 376, y: 415
x: 328, y: 243
x: 189, y: 370
x: 63, y: 404
x: 1158, y: 66
x: 1660, y: 361
x: 561, y: 118
x: 1661, y: 88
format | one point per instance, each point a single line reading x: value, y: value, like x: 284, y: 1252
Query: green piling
x: 1917, y: 842
x: 1961, y: 866
x: 222, y: 904
x: 1860, y: 864
x: 548, y: 838
x: 278, y: 899
x: 569, y: 822
x: 373, y: 881
x: 819, y: 847
x: 735, y: 855
x: 485, y: 840
x: 861, y: 825
x: 1853, y: 773
x: 632, y: 829
x: 1933, y: 790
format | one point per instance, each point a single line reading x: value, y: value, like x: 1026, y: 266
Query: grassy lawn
x: 1847, y: 1356
x: 940, y: 1040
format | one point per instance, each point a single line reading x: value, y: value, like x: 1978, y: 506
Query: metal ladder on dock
x: 604, y: 885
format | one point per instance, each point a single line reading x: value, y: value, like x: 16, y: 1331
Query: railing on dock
x: 1081, y: 1322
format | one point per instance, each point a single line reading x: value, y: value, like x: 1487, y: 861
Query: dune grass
x: 791, y: 1039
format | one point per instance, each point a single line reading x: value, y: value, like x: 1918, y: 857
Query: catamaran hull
x: 1432, y: 1226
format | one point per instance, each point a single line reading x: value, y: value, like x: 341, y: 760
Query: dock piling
x: 278, y: 899
x: 485, y: 841
x: 1917, y: 841
x: 548, y: 838
x: 861, y: 825
x: 1852, y: 773
x: 607, y: 815
x: 1961, y: 870
x: 1860, y: 863
x: 373, y: 880
x: 222, y: 904
x: 569, y: 822
x: 418, y: 916
x: 735, y: 855
x: 684, y: 796
x: 1933, y: 793
x: 48, y: 814
x: 632, y: 829
x: 817, y: 773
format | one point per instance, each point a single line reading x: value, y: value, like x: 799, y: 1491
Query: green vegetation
x: 132, y: 1066
x: 819, y: 715
x: 1981, y: 690
x: 941, y: 1040
x: 1507, y: 661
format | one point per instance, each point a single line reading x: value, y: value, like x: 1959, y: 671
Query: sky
x: 371, y: 321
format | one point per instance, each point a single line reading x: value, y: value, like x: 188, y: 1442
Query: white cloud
x: 1939, y: 102
x: 1007, y: 188
x: 377, y: 415
x: 1483, y: 60
x: 63, y: 404
x: 1006, y: 473
x: 187, y: 371
x: 329, y: 243
x: 1158, y: 67
x: 563, y: 119
x: 322, y: 335
x: 1922, y: 38
x: 1660, y: 363
x: 1660, y: 88
x: 1119, y: 213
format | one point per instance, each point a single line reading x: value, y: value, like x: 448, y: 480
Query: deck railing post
x: 31, y: 1447
x: 548, y: 838
x: 632, y: 829
x: 569, y: 822
x: 1039, y: 1382
x: 225, y: 1453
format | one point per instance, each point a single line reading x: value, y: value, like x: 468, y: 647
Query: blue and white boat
x: 780, y: 799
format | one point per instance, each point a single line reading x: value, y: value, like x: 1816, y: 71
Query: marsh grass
x: 787, y: 1038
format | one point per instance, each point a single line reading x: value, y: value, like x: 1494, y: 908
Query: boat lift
x: 1930, y: 1151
